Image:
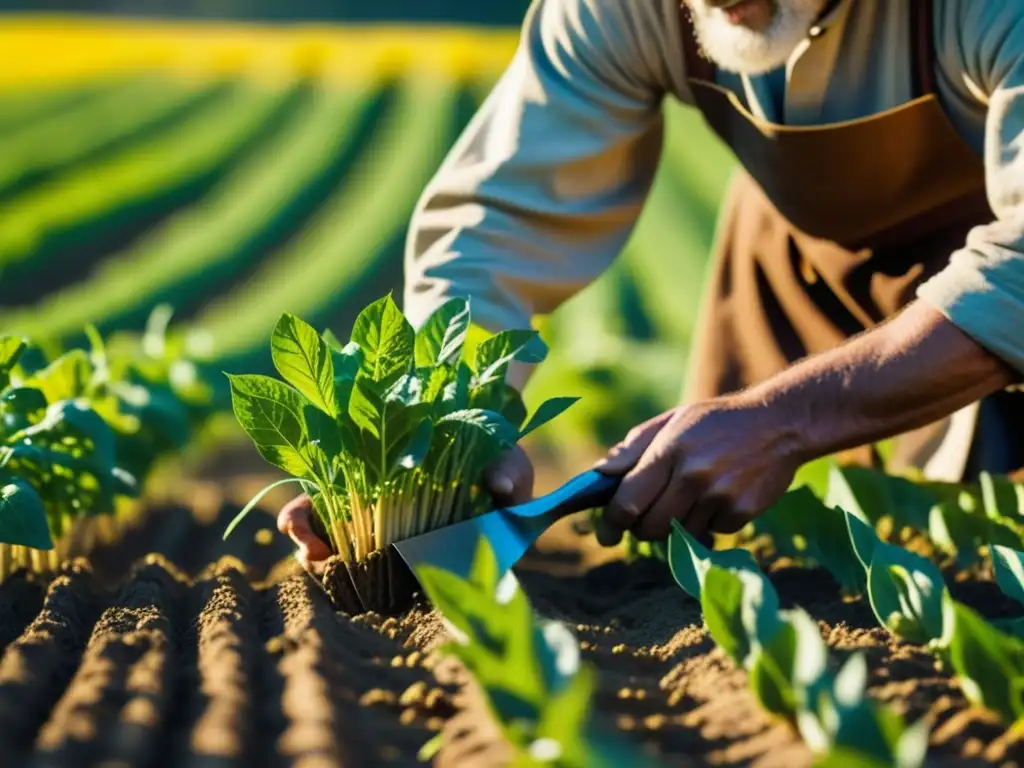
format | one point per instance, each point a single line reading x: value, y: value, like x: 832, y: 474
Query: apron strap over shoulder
x: 922, y: 39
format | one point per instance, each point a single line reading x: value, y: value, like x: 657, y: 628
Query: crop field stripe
x: 208, y: 142
x: 343, y: 240
x: 216, y: 236
x: 27, y: 104
x: 124, y: 113
x: 42, y: 49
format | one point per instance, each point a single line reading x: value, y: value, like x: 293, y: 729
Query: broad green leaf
x: 741, y: 609
x: 492, y: 425
x: 905, y: 589
x: 1009, y: 568
x: 957, y: 531
x: 439, y: 341
x: 322, y: 431
x: 254, y: 502
x: 801, y: 526
x: 862, y: 537
x: 11, y: 348
x: 21, y: 407
x: 859, y: 491
x: 304, y: 360
x: 437, y: 379
x: 689, y: 560
x: 988, y: 663
x: 546, y: 412
x: 848, y: 758
x: 271, y: 413
x: 67, y: 377
x: 366, y: 407
x: 348, y: 361
x: 386, y: 338
x: 23, y: 516
x: 409, y: 389
x: 999, y: 495
x: 412, y: 453
x: 455, y: 396
x: 564, y: 720
x: 496, y: 353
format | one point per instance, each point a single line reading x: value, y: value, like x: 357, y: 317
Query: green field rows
x: 234, y: 199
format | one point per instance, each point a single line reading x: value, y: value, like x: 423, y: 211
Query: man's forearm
x: 905, y: 374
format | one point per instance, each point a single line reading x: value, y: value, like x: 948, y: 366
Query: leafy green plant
x: 57, y: 463
x: 989, y: 664
x: 528, y: 668
x: 906, y: 591
x: 1008, y: 565
x: 803, y: 527
x: 787, y: 660
x: 391, y: 432
x: 148, y: 388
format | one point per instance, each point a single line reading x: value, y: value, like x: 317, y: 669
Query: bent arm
x: 907, y: 373
x: 541, y: 192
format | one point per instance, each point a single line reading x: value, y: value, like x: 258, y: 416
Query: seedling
x: 390, y: 433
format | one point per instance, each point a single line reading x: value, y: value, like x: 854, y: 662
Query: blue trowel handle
x: 587, y: 491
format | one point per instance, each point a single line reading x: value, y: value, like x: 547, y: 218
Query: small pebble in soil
x: 264, y: 537
x: 626, y: 723
x: 435, y: 723
x: 377, y: 696
x: 655, y: 722
x: 413, y: 659
x: 620, y: 649
x: 413, y: 694
x: 433, y: 698
x: 408, y: 716
x: 398, y: 661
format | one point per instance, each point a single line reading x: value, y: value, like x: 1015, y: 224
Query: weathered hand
x: 510, y: 479
x: 714, y: 466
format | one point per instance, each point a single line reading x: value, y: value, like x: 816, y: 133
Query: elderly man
x: 868, y: 279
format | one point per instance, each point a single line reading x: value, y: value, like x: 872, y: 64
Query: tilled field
x: 162, y: 650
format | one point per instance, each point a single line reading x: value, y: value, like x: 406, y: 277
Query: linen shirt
x: 541, y: 192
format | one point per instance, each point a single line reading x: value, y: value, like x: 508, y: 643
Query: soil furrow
x: 218, y: 671
x: 37, y: 666
x: 115, y: 708
x: 21, y: 598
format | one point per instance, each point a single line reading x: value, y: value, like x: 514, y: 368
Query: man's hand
x: 717, y: 464
x: 510, y: 481
x: 713, y: 466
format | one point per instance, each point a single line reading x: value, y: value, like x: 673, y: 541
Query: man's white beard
x: 736, y: 48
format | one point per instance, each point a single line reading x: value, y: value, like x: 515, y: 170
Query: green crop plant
x: 57, y: 463
x: 390, y: 433
x: 528, y: 668
x: 149, y: 388
x: 788, y: 662
x: 907, y: 592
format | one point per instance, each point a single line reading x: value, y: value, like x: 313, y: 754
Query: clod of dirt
x: 381, y: 583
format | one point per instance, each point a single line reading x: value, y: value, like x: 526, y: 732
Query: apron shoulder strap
x: 922, y: 47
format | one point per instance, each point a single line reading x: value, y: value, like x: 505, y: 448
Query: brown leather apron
x: 827, y: 230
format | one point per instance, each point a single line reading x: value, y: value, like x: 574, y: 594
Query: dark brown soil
x: 169, y: 647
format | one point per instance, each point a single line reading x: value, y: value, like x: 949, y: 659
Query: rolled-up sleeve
x: 982, y: 289
x: 542, y: 190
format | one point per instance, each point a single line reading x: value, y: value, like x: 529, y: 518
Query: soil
x: 170, y: 647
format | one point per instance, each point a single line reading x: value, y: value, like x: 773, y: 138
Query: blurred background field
x: 237, y: 159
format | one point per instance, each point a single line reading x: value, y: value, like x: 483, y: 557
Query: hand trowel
x: 509, y: 530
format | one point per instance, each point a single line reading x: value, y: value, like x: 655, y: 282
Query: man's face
x: 752, y: 36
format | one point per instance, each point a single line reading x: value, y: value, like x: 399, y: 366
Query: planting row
x: 83, y: 429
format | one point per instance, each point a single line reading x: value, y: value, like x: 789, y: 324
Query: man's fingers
x: 638, y: 491
x: 624, y: 456
x: 681, y: 494
x: 294, y: 521
x: 510, y: 480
